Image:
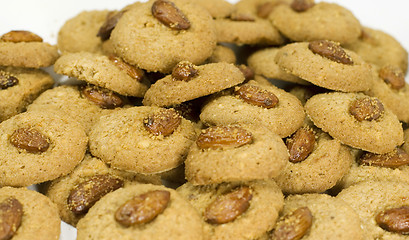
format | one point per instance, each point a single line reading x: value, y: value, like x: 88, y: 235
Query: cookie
x: 305, y: 92
x: 141, y: 39
x: 19, y: 87
x: 263, y: 63
x: 178, y: 219
x: 235, y: 153
x: 317, y: 162
x: 66, y: 191
x: 357, y: 120
x: 318, y: 216
x: 262, y: 200
x: 316, y: 66
x: 390, y: 87
x: 371, y: 200
x: 79, y: 33
x: 107, y: 72
x: 308, y: 24
x: 216, y: 8
x: 142, y: 139
x: 33, y: 209
x: 199, y: 81
x: 256, y: 8
x: 392, y: 166
x: 222, y: 54
x: 39, y: 146
x: 379, y: 48
x: 26, y: 49
x: 253, y: 103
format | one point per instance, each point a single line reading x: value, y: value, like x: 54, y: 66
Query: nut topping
x: 242, y: 17
x: 331, y: 50
x: 6, y: 80
x: 102, y: 97
x: 168, y: 14
x: 294, y: 225
x: 29, y: 139
x: 132, y: 71
x: 264, y: 9
x: 393, y: 76
x: 394, y: 220
x: 142, y: 208
x: 257, y: 96
x: 229, y: 206
x: 223, y: 137
x: 366, y: 109
x: 302, y: 5
x: 247, y: 72
x: 87, y: 193
x: 184, y: 71
x: 20, y: 36
x: 110, y: 22
x: 301, y: 144
x: 11, y: 214
x: 164, y: 123
x: 394, y: 159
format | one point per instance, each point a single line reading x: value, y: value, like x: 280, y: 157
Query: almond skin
x: 330, y: 50
x: 11, y: 214
x: 30, y: 139
x: 394, y: 220
x: 168, y: 14
x: 294, y: 225
x: 223, y: 137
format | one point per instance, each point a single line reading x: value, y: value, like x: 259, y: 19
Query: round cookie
x: 262, y: 213
x: 331, y: 113
x: 210, y: 78
x: 222, y: 54
x: 79, y: 33
x: 29, y: 54
x: 299, y: 60
x: 263, y: 63
x: 37, y: 210
x: 142, y: 40
x: 326, y: 164
x: 59, y: 145
x: 261, y: 154
x: 331, y: 217
x: 100, y: 70
x: 19, y: 87
x: 96, y: 172
x: 216, y: 8
x: 379, y: 48
x: 123, y: 139
x: 283, y: 119
x: 369, y: 198
x: 395, y: 97
x: 179, y: 220
x: 322, y: 21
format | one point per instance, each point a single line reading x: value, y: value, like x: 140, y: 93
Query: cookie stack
x: 266, y: 119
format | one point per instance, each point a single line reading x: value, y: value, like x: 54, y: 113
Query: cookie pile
x: 202, y: 119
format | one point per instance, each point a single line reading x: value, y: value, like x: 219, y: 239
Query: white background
x: 45, y: 17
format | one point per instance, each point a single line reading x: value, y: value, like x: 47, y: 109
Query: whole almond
x: 184, y: 71
x: 164, y: 122
x: 331, y: 50
x: 20, y: 36
x: 223, y: 137
x: 302, y: 5
x: 168, y: 14
x: 102, y: 97
x: 29, y: 139
x: 264, y: 9
x: 247, y: 72
x: 242, y: 17
x: 142, y: 208
x: 256, y: 96
x: 132, y: 71
x: 7, y: 80
x: 393, y: 76
x: 11, y: 214
x: 394, y: 220
x: 394, y: 159
x: 229, y: 206
x: 111, y: 20
x: 301, y: 144
x: 366, y: 109
x: 84, y: 195
x: 294, y: 225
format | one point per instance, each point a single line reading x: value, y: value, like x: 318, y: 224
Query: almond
x: 164, y: 122
x: 7, y: 80
x: 29, y: 139
x: 184, y: 71
x: 366, y: 109
x: 301, y: 144
x: 294, y: 225
x: 111, y: 20
x: 11, y: 214
x: 102, y: 97
x: 393, y: 76
x: 223, y: 137
x: 394, y: 220
x: 331, y: 50
x: 394, y: 159
x: 302, y: 5
x: 168, y: 14
x: 132, y: 71
x: 257, y: 96
x: 20, y: 36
